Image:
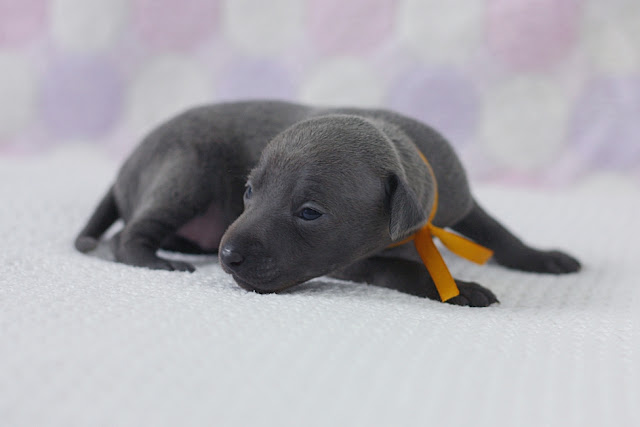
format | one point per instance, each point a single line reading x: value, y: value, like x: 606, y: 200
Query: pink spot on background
x: 443, y: 99
x: 175, y: 24
x: 529, y: 34
x: 338, y: 26
x: 604, y: 127
x: 22, y: 20
x: 81, y: 97
x: 252, y: 79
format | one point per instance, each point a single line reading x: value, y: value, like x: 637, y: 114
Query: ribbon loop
x: 462, y: 246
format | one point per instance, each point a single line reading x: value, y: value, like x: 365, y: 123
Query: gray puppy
x: 329, y: 190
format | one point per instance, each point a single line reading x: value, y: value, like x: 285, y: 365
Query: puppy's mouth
x: 265, y: 279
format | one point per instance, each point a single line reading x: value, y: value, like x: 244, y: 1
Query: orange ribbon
x: 431, y: 257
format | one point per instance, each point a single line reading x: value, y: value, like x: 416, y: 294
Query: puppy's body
x: 359, y: 169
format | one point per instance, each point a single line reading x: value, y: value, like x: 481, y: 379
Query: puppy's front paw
x: 180, y: 266
x: 157, y: 263
x: 473, y: 295
x: 553, y: 262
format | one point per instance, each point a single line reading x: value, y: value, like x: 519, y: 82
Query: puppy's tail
x: 105, y: 214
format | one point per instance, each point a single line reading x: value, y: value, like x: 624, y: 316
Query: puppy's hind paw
x: 86, y: 243
x: 534, y: 261
x: 473, y: 295
x: 557, y: 262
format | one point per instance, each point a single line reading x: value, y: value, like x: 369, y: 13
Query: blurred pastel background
x: 541, y: 98
x: 542, y: 93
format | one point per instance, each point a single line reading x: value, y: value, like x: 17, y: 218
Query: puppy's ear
x: 407, y: 214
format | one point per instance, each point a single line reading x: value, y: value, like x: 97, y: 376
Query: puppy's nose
x: 231, y: 257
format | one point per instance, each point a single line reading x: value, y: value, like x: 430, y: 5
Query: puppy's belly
x: 205, y: 230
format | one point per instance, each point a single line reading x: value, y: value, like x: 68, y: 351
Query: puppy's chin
x: 261, y: 288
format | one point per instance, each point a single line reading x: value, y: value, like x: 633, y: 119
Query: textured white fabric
x: 85, y: 341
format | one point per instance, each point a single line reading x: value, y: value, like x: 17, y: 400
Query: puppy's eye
x: 248, y: 192
x: 309, y: 214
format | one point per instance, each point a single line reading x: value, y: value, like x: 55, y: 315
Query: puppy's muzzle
x: 251, y: 273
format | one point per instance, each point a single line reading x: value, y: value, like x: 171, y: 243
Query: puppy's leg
x: 137, y: 243
x: 412, y: 278
x: 176, y: 243
x: 178, y: 192
x: 510, y: 251
x: 161, y: 196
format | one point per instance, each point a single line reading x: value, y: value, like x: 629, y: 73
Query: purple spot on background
x: 605, y: 126
x: 443, y: 99
x: 246, y: 79
x: 338, y: 26
x: 532, y: 34
x: 176, y: 24
x: 81, y: 97
x: 22, y: 20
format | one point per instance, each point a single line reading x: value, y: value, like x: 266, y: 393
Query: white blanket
x: 86, y: 341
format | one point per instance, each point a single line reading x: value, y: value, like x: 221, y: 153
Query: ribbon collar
x: 430, y: 255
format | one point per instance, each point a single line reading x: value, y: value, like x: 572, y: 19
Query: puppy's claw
x: 168, y: 265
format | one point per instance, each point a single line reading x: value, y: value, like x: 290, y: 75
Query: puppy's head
x: 325, y: 193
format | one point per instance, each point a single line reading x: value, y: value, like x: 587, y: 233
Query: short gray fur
x: 358, y: 168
